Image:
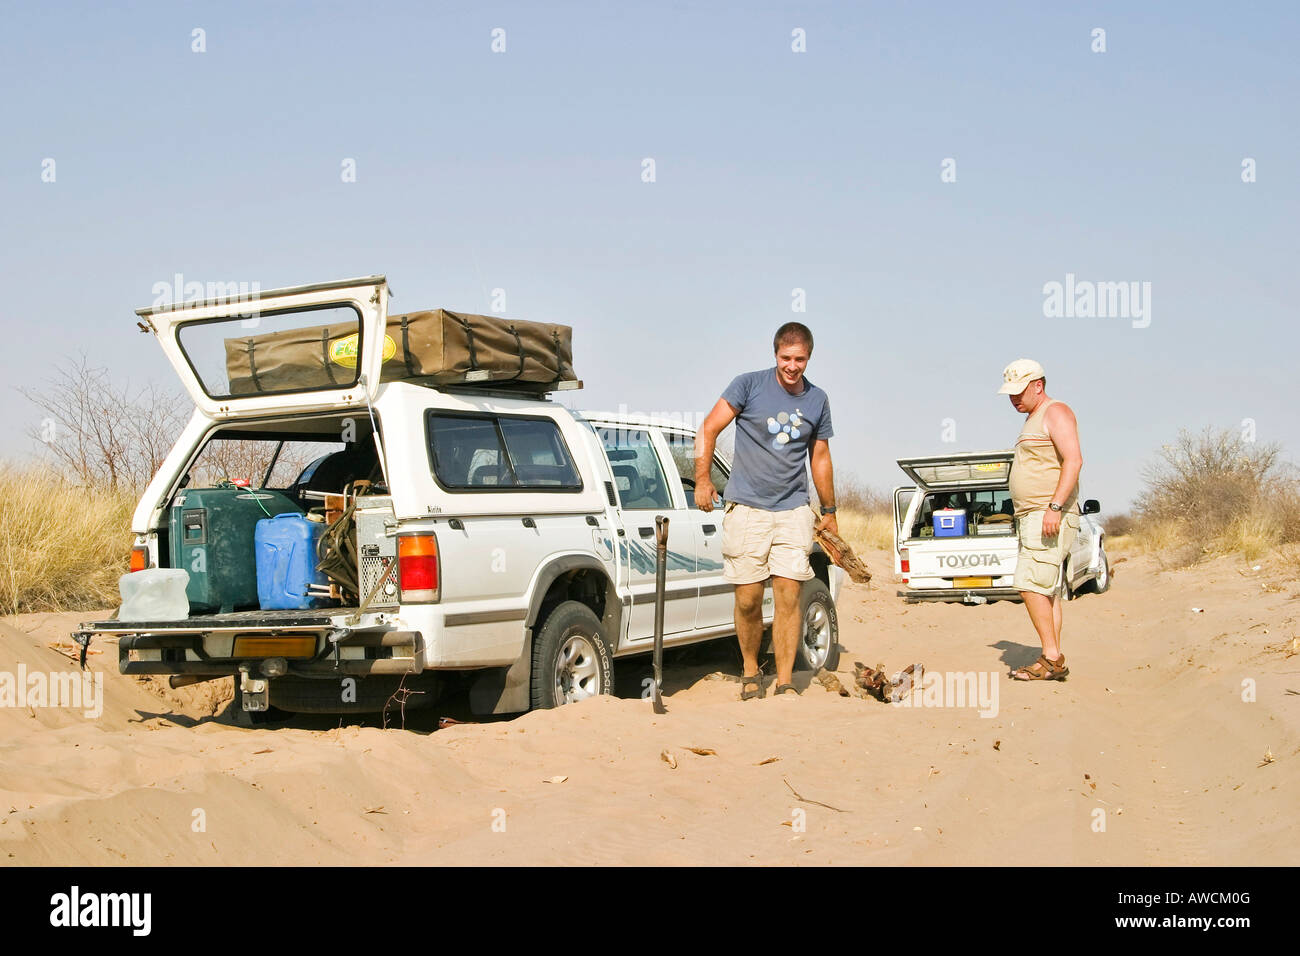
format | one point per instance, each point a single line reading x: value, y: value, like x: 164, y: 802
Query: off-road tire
x: 571, y: 638
x: 820, y: 625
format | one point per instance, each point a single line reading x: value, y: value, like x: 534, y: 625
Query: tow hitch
x: 253, y: 691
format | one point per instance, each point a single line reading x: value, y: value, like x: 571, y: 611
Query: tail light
x: 139, y: 558
x: 417, y: 568
x: 905, y: 561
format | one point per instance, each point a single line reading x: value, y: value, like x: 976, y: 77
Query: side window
x: 903, y: 501
x: 682, y: 446
x: 637, y: 474
x: 486, y: 452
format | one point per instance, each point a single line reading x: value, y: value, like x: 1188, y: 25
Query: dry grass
x: 867, y: 531
x: 62, y: 547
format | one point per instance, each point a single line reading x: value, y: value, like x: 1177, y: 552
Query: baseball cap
x: 1017, y: 376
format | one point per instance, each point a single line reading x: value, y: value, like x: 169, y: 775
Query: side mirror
x: 1092, y: 506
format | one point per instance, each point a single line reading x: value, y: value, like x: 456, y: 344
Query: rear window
x: 481, y: 452
x: 274, y: 352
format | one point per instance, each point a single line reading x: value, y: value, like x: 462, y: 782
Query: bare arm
x: 706, y: 440
x: 1063, y: 429
x: 823, y: 474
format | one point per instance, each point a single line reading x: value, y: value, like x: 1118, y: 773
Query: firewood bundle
x: 873, y: 682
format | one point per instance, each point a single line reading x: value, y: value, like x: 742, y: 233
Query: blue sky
x: 774, y: 170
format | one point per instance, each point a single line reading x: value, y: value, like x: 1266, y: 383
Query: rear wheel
x: 819, y: 644
x: 571, y: 661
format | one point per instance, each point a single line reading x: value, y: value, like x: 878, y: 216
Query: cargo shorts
x: 757, y: 544
x: 1040, y: 561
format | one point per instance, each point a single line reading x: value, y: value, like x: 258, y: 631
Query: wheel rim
x: 817, y: 634
x: 1104, y: 576
x: 577, y: 674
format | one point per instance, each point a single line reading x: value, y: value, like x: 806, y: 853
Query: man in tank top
x: 1044, y: 484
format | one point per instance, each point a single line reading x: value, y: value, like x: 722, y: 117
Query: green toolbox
x: 211, y: 537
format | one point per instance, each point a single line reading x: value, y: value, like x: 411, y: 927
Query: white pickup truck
x: 501, y: 540
x: 977, y: 562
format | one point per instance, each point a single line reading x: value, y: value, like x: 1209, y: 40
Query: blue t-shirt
x: 775, y: 432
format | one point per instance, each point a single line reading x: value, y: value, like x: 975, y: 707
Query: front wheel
x: 571, y: 661
x: 819, y: 644
x: 1101, y: 583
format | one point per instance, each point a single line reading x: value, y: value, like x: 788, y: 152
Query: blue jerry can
x: 286, y: 562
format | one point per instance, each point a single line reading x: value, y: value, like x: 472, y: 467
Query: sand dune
x: 1151, y: 729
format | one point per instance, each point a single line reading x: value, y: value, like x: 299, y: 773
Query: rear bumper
x: 961, y: 595
x: 183, y: 653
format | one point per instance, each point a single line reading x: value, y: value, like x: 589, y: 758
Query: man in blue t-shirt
x: 782, y: 421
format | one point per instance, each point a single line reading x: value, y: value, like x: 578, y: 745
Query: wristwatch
x: 829, y: 511
x: 1055, y: 507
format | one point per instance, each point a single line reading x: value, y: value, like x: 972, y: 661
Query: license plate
x: 972, y: 582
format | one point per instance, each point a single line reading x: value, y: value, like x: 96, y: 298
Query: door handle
x: 710, y: 529
x: 646, y: 532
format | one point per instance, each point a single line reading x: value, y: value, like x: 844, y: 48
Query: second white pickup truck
x: 977, y: 561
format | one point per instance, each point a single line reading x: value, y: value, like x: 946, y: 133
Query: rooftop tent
x: 439, y: 347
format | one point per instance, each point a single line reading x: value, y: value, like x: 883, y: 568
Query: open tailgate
x: 304, y: 348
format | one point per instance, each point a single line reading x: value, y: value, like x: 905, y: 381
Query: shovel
x: 661, y: 572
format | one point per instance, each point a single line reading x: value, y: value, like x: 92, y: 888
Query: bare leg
x: 785, y: 626
x: 1058, y: 607
x: 749, y: 624
x: 1046, y: 616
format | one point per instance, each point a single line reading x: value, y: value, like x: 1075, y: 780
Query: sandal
x: 1043, y: 669
x: 756, y: 679
x: 786, y: 687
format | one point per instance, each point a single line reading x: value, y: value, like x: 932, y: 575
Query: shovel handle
x: 661, y: 574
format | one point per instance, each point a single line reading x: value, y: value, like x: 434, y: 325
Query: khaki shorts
x: 757, y: 544
x: 1038, y: 566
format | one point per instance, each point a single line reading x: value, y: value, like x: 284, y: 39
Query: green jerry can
x: 212, y: 531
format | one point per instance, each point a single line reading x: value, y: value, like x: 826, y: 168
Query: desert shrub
x: 100, y: 430
x: 1211, y: 492
x: 1119, y: 525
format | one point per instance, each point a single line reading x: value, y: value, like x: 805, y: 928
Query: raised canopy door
x: 305, y: 348
x: 983, y: 469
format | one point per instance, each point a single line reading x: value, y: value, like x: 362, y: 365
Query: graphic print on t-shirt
x: 784, y: 426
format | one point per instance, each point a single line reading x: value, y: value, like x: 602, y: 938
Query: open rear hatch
x: 970, y: 471
x: 304, y: 348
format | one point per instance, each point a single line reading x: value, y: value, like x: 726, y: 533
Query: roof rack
x: 499, y: 389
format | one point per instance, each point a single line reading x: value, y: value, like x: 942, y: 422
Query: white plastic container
x: 154, y: 594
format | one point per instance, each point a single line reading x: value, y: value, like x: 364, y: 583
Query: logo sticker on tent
x: 343, y: 352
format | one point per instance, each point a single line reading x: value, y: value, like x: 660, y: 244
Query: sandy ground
x: 1148, y: 754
